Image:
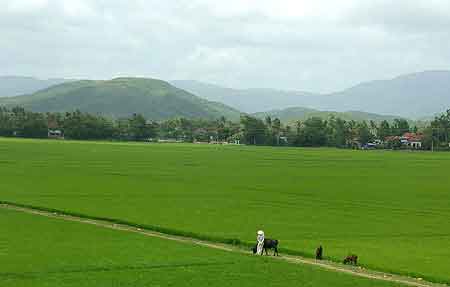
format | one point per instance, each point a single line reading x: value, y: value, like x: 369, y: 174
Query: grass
x: 390, y: 208
x: 39, y: 251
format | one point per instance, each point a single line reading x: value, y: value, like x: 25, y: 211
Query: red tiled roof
x: 392, y: 138
x: 413, y: 137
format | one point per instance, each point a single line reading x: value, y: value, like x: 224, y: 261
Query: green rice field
x: 392, y: 209
x: 39, y: 251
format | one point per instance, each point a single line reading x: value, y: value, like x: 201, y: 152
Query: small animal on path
x: 351, y: 259
x: 319, y: 253
x: 268, y: 244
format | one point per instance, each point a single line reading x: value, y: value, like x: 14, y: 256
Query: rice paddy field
x: 39, y: 251
x: 392, y: 209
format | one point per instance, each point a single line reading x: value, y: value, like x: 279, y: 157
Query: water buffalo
x: 268, y: 244
x: 351, y: 259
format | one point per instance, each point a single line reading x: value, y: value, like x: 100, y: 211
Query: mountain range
x: 413, y: 96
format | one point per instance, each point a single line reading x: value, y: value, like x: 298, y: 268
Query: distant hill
x: 248, y: 100
x: 413, y: 96
x: 122, y: 97
x: 299, y: 113
x: 14, y: 86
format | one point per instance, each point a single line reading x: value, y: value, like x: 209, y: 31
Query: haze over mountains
x: 14, y: 86
x: 246, y: 100
x: 413, y: 96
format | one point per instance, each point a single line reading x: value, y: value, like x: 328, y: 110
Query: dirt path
x: 332, y: 266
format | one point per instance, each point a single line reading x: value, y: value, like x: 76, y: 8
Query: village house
x: 55, y: 134
x: 412, y: 140
x: 407, y: 140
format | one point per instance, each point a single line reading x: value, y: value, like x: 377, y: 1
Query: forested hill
x: 121, y: 97
x: 299, y: 113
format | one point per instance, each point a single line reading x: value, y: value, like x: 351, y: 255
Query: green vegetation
x: 38, y: 251
x: 333, y: 132
x: 313, y: 132
x: 18, y: 122
x: 390, y: 208
x: 122, y: 97
x: 291, y: 115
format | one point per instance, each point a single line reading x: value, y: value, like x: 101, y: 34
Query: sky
x: 307, y: 45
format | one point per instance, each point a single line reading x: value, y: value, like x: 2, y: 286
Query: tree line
x: 317, y: 132
x: 312, y: 132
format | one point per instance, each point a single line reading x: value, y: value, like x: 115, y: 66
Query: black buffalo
x: 268, y: 244
x: 351, y: 259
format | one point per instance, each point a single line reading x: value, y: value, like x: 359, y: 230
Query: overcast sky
x: 311, y: 45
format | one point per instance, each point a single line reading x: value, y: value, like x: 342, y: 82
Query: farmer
x: 319, y: 253
x: 260, y: 240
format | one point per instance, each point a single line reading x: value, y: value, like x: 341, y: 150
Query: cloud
x: 403, y: 16
x: 24, y: 6
x: 78, y: 9
x: 319, y: 45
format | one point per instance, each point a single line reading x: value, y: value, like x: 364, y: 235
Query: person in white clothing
x: 260, y: 240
